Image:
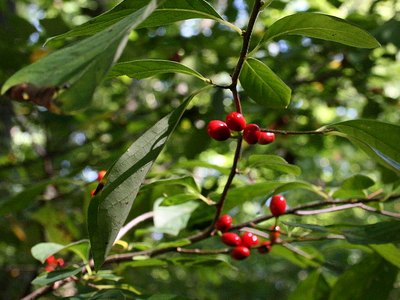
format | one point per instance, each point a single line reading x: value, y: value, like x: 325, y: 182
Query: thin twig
x: 291, y: 132
x: 124, y: 230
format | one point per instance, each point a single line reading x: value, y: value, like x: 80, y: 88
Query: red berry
x: 224, y: 223
x: 231, y: 239
x: 266, y: 138
x: 274, y: 234
x: 277, y: 205
x: 265, y: 247
x: 218, y: 130
x: 235, y: 121
x: 249, y: 239
x: 51, y: 260
x: 240, y: 252
x: 251, y: 133
x: 101, y: 175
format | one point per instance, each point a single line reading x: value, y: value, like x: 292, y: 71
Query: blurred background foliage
x: 48, y: 162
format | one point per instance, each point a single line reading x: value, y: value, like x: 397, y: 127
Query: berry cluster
x: 234, y: 121
x: 53, y: 263
x: 243, y: 244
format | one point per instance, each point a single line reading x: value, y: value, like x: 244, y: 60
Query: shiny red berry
x: 224, y: 223
x: 251, y: 133
x: 277, y: 205
x: 265, y: 247
x: 101, y: 175
x: 231, y: 239
x: 218, y: 130
x: 249, y: 239
x: 266, y: 137
x: 274, y: 234
x: 240, y: 252
x: 235, y: 121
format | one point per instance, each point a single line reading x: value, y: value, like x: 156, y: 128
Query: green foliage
x: 150, y: 222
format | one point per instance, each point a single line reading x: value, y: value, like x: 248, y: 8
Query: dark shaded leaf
x: 68, y: 77
x: 109, y: 209
x: 314, y: 287
x: 381, y: 141
x: 371, y: 278
x: 48, y: 278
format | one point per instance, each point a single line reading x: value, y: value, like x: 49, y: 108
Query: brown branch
x: 291, y: 132
x: 202, y: 251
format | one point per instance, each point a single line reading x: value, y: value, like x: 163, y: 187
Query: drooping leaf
x: 381, y: 141
x: 378, y: 233
x: 109, y: 209
x: 172, y: 219
x: 168, y: 12
x: 321, y: 26
x: 42, y: 251
x: 314, y: 287
x: 263, y: 85
x: 389, y: 252
x: 66, y: 79
x: 371, y: 278
x: 274, y: 162
x: 51, y: 277
x: 353, y: 187
x: 144, y: 68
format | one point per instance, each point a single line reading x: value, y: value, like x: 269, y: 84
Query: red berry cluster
x: 234, y: 121
x: 243, y: 244
x: 52, y: 263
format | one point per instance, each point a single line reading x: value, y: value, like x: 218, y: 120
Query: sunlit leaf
x: 144, y: 68
x: 274, y: 162
x: 263, y: 85
x: 168, y: 12
x: 172, y: 219
x: 389, y: 252
x: 321, y: 26
x: 42, y: 251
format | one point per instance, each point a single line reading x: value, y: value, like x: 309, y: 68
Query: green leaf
x: 353, y: 187
x: 294, y: 258
x: 109, y: 209
x: 378, y: 233
x: 322, y: 27
x: 274, y: 162
x: 389, y: 252
x: 51, y: 277
x: 172, y: 219
x: 263, y: 85
x: 314, y: 287
x: 371, y: 278
x: 144, y: 68
x: 300, y: 185
x: 151, y: 262
x: 42, y: 251
x: 186, y: 181
x: 168, y: 12
x: 71, y: 74
x: 381, y: 141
